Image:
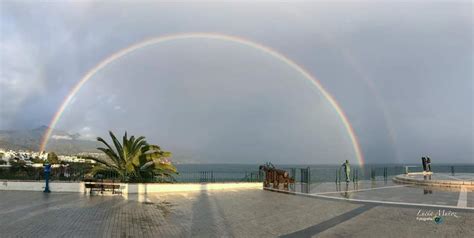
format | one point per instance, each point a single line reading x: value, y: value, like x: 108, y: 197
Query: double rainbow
x: 214, y: 36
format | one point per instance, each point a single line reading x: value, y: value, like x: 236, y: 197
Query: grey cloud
x: 417, y: 55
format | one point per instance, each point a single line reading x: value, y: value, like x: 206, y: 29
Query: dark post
x: 309, y: 175
x: 293, y: 173
x: 305, y: 179
x: 47, y: 172
x: 302, y: 175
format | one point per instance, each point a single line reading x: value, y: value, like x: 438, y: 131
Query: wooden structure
x: 102, y: 186
x: 275, y: 177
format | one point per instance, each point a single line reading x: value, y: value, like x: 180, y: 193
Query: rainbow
x: 213, y: 36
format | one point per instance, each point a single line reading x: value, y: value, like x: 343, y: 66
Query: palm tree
x: 134, y: 160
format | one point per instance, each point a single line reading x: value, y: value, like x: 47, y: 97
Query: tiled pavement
x: 234, y: 213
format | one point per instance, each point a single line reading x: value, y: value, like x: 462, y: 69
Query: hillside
x: 61, y: 142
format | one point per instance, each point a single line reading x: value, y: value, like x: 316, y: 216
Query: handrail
x: 411, y: 166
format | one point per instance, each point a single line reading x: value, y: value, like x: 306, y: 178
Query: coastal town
x: 36, y: 159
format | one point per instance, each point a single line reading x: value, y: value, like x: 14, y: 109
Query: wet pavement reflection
x: 385, y: 191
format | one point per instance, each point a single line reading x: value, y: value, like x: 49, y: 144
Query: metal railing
x: 30, y: 173
x: 321, y: 174
x: 213, y: 176
x: 312, y: 174
x: 70, y: 174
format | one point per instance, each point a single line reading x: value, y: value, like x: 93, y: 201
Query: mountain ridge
x: 60, y: 142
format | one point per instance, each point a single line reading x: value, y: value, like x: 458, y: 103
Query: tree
x: 53, y: 158
x: 36, y: 160
x: 134, y: 160
x: 17, y: 165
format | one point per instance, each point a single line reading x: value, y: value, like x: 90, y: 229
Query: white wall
x: 184, y: 187
x: 39, y: 186
x: 126, y: 188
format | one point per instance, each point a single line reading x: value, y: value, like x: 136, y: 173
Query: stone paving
x: 458, y: 180
x: 406, y: 195
x: 229, y: 213
x: 387, y: 191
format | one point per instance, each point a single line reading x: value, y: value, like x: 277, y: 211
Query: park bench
x: 103, y: 185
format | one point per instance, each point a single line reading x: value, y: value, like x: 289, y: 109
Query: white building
x: 6, y: 155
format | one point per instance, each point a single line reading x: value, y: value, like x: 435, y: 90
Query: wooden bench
x: 103, y: 185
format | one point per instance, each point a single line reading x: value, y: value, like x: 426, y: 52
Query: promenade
x: 229, y: 213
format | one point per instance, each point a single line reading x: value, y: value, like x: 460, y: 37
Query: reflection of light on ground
x: 387, y: 192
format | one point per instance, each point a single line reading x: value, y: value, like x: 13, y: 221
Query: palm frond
x: 134, y: 159
x: 112, y: 156
x: 97, y: 160
x: 118, y: 146
x: 125, y: 144
x: 105, y: 143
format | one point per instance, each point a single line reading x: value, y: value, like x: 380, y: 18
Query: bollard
x: 309, y: 176
x: 47, y: 172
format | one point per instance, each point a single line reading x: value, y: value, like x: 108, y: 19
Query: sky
x: 401, y: 71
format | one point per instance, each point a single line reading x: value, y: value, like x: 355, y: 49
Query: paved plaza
x: 229, y: 213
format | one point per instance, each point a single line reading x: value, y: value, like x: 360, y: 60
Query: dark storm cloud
x: 417, y: 56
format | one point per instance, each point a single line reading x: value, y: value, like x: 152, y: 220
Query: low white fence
x: 132, y: 188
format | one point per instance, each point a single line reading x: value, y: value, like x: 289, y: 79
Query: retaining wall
x: 133, y: 188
